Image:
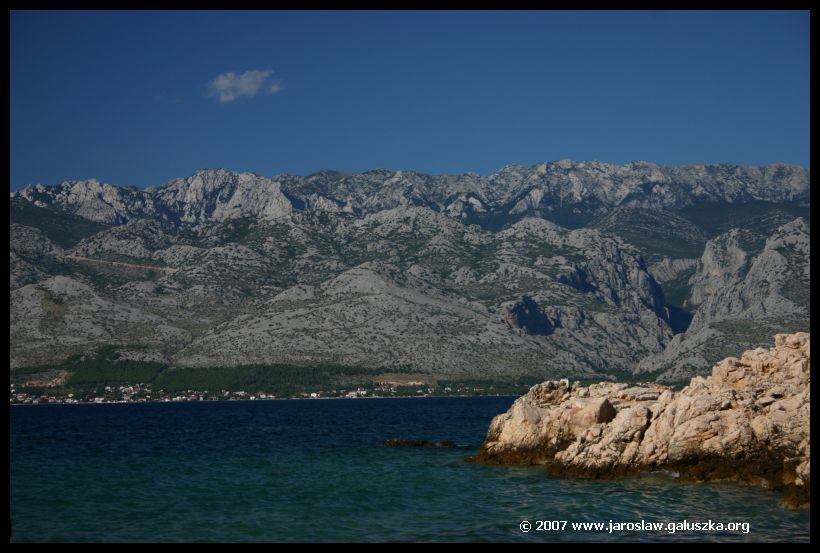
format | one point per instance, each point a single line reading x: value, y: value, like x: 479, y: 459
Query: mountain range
x: 560, y: 269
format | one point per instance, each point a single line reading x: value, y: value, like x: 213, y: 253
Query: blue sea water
x: 316, y: 470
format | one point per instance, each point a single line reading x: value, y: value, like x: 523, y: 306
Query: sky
x: 144, y: 97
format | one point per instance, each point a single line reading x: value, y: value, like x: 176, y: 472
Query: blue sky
x: 144, y: 97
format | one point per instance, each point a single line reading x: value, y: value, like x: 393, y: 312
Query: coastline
x: 258, y: 400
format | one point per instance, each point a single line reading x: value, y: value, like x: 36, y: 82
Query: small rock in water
x: 396, y: 442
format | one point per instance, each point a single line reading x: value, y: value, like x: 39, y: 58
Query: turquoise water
x: 316, y: 471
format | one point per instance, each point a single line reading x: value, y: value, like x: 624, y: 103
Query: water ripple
x: 316, y: 471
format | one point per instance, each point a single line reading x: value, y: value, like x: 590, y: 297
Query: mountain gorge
x: 577, y: 269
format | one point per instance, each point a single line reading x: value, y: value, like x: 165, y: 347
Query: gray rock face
x: 29, y: 248
x: 748, y: 421
x: 208, y: 195
x: 64, y: 314
x: 219, y: 195
x: 92, y: 200
x: 744, y: 285
x: 724, y: 261
x: 387, y: 269
x: 669, y: 269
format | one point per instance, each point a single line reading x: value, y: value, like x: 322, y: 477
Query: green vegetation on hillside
x: 106, y: 366
x: 278, y: 379
x: 571, y: 216
x: 656, y: 233
x: 63, y: 229
x: 120, y: 372
x: 97, y: 275
x: 764, y: 217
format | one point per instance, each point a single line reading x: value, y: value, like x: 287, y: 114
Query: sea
x: 318, y: 471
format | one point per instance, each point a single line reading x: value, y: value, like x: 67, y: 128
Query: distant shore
x: 32, y: 404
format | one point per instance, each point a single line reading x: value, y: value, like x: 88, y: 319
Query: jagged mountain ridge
x: 375, y: 269
x: 584, y: 188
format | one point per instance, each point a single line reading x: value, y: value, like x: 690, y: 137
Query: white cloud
x: 230, y: 86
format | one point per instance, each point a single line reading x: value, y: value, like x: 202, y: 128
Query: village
x: 144, y: 393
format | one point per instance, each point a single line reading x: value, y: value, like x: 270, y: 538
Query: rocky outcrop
x: 220, y: 195
x: 403, y: 442
x: 748, y: 421
x: 669, y: 269
x: 92, y: 200
x: 206, y: 196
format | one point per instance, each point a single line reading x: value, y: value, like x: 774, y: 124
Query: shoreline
x: 258, y: 400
